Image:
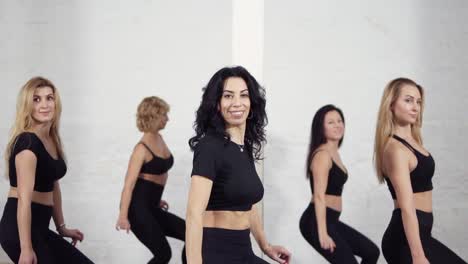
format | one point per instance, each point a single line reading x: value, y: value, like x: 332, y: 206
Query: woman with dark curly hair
x: 141, y: 207
x: 320, y: 224
x: 225, y: 187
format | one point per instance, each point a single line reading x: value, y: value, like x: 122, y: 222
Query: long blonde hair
x: 24, y: 120
x: 386, y: 122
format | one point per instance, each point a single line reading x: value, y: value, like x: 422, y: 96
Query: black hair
x: 317, y: 133
x: 210, y: 121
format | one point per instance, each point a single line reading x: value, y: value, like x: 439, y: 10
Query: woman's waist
x: 43, y: 198
x: 159, y: 179
x: 334, y: 202
x: 422, y: 201
x: 147, y: 192
x: 231, y: 220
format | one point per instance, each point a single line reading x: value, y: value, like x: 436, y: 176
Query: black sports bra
x: 156, y: 165
x: 48, y: 169
x: 336, y: 180
x: 421, y: 176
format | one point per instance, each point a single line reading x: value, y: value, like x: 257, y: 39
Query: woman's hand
x: 420, y: 260
x: 75, y: 234
x: 164, y: 205
x: 27, y: 256
x: 327, y: 243
x: 277, y: 253
x: 123, y: 224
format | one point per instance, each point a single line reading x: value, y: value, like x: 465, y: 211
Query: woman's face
x: 333, y: 126
x: 407, y: 106
x: 163, y: 121
x: 235, y: 102
x: 43, y: 105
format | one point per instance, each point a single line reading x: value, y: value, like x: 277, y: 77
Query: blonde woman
x: 408, y: 168
x: 35, y: 163
x: 141, y: 207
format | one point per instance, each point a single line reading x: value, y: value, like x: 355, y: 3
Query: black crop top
x: 236, y: 185
x: 48, y: 169
x: 336, y: 180
x: 156, y: 165
x: 421, y: 176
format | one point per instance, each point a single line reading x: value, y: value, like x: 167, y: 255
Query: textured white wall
x: 105, y: 56
x: 319, y: 52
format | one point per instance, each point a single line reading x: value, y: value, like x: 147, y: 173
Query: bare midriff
x: 234, y: 220
x: 160, y: 179
x: 332, y: 201
x: 422, y: 201
x: 44, y: 198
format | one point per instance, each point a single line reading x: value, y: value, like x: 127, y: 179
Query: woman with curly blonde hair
x: 35, y: 161
x: 402, y: 161
x: 141, y: 209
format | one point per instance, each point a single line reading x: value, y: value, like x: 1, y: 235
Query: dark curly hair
x: 317, y: 133
x: 210, y: 121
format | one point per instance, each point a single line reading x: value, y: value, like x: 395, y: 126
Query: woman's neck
x: 403, y: 131
x: 332, y: 145
x: 41, y: 130
x: 237, y: 134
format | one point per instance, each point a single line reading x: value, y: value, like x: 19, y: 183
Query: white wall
x: 320, y: 52
x: 105, y: 56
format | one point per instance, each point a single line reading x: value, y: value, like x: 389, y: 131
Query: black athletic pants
x: 151, y: 224
x: 395, y: 245
x: 50, y: 248
x: 228, y: 247
x: 348, y: 241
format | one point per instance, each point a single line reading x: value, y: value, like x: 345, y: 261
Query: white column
x: 247, y: 49
x: 247, y: 35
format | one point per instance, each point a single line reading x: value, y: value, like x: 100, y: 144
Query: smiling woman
x: 320, y: 224
x: 35, y: 163
x: 225, y: 187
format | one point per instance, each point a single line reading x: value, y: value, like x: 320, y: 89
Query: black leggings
x: 48, y: 245
x: 395, y: 247
x: 348, y: 241
x: 151, y: 224
x: 228, y: 247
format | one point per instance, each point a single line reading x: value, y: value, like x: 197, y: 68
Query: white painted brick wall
x: 319, y: 52
x: 105, y: 56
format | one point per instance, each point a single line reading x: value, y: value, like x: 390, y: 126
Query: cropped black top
x: 421, y: 176
x: 336, y: 180
x: 236, y: 185
x: 156, y: 165
x: 48, y: 169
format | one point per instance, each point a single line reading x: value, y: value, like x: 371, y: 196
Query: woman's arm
x: 397, y: 166
x: 134, y: 166
x: 256, y: 228
x: 277, y: 253
x: 26, y: 162
x: 57, y: 214
x: 199, y: 194
x: 320, y: 166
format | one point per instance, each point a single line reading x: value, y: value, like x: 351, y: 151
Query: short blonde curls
x: 149, y: 113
